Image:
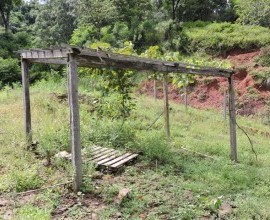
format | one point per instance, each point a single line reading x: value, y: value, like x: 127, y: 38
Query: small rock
x: 3, y: 202
x: 118, y: 215
x: 64, y: 155
x: 224, y: 210
x: 94, y: 216
x: 123, y: 194
x: 8, y: 214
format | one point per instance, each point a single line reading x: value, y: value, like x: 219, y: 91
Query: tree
x: 253, y: 12
x: 96, y: 12
x: 55, y: 22
x: 192, y: 10
x: 5, y: 9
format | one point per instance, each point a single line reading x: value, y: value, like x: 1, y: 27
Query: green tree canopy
x: 253, y: 12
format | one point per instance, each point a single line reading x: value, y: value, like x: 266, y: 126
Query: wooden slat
x: 101, y: 162
x: 102, y: 153
x: 114, y: 152
x: 48, y: 53
x: 48, y: 61
x: 116, y: 159
x: 122, y: 162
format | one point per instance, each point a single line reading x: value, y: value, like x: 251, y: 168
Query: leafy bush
x: 264, y: 58
x: 26, y: 180
x: 222, y: 37
x: 262, y: 77
x: 111, y: 134
x: 253, y: 12
x: 155, y: 147
x: 31, y: 212
x: 9, y: 71
x: 12, y: 42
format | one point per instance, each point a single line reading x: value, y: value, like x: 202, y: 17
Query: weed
x: 26, y: 180
x: 30, y: 212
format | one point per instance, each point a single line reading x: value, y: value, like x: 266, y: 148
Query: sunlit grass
x: 245, y: 185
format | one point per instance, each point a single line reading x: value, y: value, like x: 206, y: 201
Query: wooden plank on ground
x: 107, y: 159
x: 102, y: 153
x: 106, y: 156
x: 122, y: 162
x: 116, y: 159
x: 110, y: 158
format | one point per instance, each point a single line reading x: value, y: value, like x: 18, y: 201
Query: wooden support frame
x: 166, y: 106
x: 232, y: 115
x: 75, y: 56
x: 26, y: 101
x: 73, y: 98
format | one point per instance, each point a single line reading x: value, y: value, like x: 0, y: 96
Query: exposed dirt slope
x: 208, y: 92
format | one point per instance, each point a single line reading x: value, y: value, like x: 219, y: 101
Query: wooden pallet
x: 110, y: 158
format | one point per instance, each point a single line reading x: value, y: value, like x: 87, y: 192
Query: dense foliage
x: 178, y: 28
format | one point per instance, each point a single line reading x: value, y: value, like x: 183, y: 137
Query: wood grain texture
x: 26, y: 101
x: 232, y: 121
x: 75, y: 123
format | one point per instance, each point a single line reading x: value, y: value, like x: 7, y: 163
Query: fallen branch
x: 34, y: 190
x: 251, y: 144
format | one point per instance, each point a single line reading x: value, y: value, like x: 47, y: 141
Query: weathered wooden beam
x: 74, y: 122
x: 232, y: 121
x: 166, y: 106
x: 104, y: 60
x: 50, y: 54
x: 48, y: 61
x: 26, y: 101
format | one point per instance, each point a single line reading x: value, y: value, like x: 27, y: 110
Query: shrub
x: 219, y: 38
x: 31, y: 212
x: 26, y: 180
x: 155, y: 147
x: 9, y: 71
x: 264, y: 58
x: 111, y: 134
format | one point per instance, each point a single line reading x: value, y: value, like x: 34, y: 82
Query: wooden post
x: 155, y: 89
x: 74, y: 122
x: 225, y: 105
x: 26, y: 102
x: 166, y: 106
x: 186, y: 97
x: 232, y: 121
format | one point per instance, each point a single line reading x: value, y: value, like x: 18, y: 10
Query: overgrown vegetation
x: 164, y: 177
x: 219, y: 38
x: 168, y: 181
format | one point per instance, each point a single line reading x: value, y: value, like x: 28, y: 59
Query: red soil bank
x: 208, y: 92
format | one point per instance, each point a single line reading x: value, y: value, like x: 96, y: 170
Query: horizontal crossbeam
x: 102, y: 59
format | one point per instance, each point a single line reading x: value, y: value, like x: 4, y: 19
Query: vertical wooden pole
x: 155, y: 89
x: 74, y: 123
x: 225, y: 105
x: 166, y: 106
x: 26, y: 101
x: 232, y: 121
x: 186, y: 97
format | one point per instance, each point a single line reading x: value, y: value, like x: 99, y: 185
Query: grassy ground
x: 166, y: 183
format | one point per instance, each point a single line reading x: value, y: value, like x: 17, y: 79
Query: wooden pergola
x: 73, y: 57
